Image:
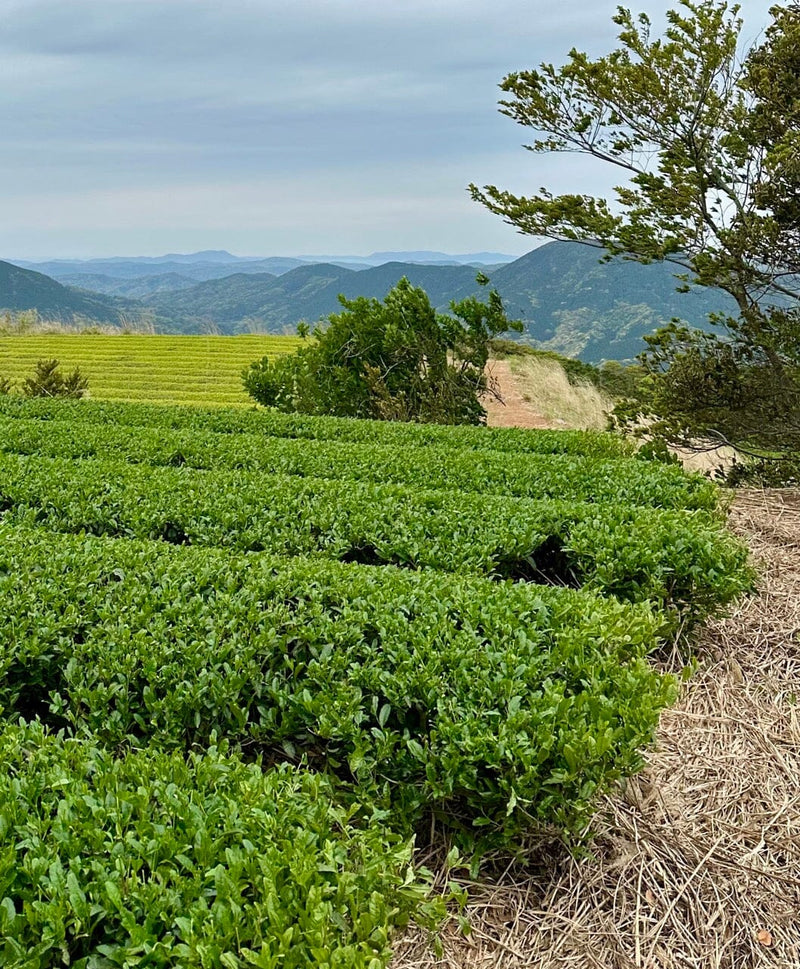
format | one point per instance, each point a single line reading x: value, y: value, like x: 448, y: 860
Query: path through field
x: 697, y: 862
x: 512, y: 410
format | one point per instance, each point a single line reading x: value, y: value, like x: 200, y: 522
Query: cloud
x: 118, y: 101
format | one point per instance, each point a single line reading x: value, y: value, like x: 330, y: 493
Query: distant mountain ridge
x: 216, y: 263
x: 306, y: 293
x: 63, y: 270
x: 567, y: 299
x: 139, y: 287
x: 23, y: 289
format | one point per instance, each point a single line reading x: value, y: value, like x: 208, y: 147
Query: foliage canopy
x: 710, y: 144
x: 393, y: 360
x: 48, y: 381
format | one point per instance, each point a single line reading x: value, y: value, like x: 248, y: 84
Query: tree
x: 48, y: 381
x: 710, y: 145
x: 395, y: 360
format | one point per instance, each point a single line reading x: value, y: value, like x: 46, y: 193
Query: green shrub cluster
x: 441, y: 694
x: 573, y: 476
x: 682, y: 560
x: 376, y: 620
x: 155, y: 859
x: 231, y: 421
x: 49, y: 382
x: 395, y: 360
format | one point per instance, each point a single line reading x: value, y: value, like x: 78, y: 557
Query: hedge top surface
x: 534, y: 475
x: 153, y: 859
x: 271, y: 423
x: 680, y: 559
x: 490, y: 703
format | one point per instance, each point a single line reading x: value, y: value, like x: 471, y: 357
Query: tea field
x: 247, y: 658
x: 157, y: 368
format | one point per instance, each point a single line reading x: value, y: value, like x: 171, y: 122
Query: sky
x: 278, y: 127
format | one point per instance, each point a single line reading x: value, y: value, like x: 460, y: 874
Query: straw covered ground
x: 697, y: 861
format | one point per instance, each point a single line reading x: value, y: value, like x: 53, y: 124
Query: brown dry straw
x: 697, y: 862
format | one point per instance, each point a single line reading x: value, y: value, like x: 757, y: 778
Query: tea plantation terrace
x: 248, y: 657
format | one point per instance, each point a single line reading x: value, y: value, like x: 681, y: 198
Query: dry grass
x: 544, y: 384
x: 697, y: 862
x: 9, y: 327
x: 707, y: 462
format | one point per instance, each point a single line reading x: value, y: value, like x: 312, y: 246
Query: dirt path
x: 512, y: 410
x: 697, y: 861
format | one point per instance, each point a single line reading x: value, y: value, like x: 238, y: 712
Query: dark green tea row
x: 680, y: 559
x: 564, y: 476
x: 273, y: 424
x: 492, y: 703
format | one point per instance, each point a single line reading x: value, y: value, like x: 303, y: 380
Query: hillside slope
x: 23, y: 289
x: 572, y: 303
x: 567, y: 299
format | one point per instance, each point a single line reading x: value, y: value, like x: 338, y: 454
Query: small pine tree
x: 49, y: 381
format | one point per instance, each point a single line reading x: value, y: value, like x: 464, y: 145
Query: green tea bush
x: 152, y: 859
x: 693, y: 566
x: 272, y: 424
x: 485, y: 472
x: 491, y: 704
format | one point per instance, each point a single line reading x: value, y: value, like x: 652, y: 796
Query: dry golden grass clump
x: 536, y: 393
x: 545, y: 385
x: 696, y: 864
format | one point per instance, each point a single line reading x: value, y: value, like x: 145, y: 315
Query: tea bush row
x: 682, y: 560
x: 530, y: 475
x: 154, y: 859
x: 272, y: 424
x: 493, y: 705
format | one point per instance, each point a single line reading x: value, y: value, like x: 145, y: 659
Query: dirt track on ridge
x: 512, y: 410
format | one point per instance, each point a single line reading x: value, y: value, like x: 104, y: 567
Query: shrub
x: 156, y: 860
x: 48, y: 381
x: 398, y: 360
x: 694, y: 565
x: 265, y: 424
x: 494, y: 705
x: 557, y: 476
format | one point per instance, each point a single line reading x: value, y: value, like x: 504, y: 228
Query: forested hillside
x: 22, y: 289
x: 567, y: 299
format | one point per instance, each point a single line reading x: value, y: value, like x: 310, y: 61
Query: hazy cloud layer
x: 273, y: 127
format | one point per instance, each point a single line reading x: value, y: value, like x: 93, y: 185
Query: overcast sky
x: 276, y: 127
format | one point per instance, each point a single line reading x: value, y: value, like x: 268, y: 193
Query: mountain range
x: 567, y: 299
x: 23, y: 289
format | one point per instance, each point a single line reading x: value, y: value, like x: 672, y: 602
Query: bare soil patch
x: 512, y: 410
x: 697, y: 860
